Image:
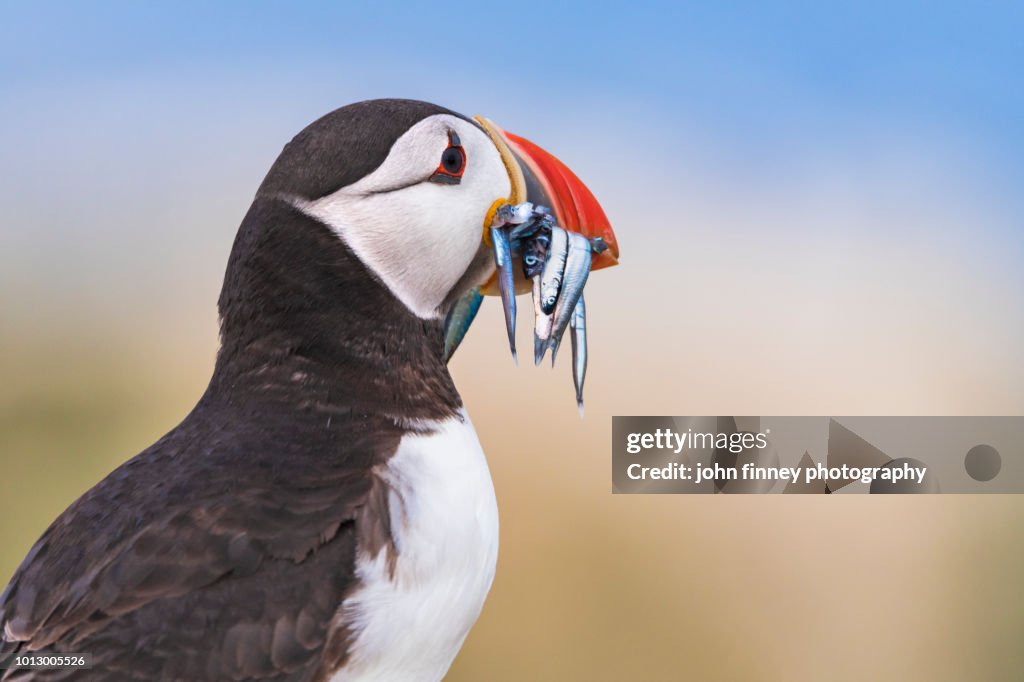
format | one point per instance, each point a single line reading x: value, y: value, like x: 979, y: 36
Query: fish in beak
x: 549, y: 182
x: 547, y: 237
x: 539, y: 178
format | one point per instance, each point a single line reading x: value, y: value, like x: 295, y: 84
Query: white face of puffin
x: 417, y: 220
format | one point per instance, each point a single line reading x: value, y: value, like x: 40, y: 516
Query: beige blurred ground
x: 827, y: 292
x: 592, y: 586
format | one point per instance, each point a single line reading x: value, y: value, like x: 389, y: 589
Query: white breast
x: 445, y: 526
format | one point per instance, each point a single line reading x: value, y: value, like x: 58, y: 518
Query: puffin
x: 325, y: 512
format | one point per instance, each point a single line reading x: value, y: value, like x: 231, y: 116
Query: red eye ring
x: 453, y: 163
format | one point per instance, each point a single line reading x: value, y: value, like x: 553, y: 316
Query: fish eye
x: 453, y: 163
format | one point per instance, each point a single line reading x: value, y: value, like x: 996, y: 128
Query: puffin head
x: 410, y: 188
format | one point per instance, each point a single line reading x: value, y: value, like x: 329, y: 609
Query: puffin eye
x: 453, y: 163
x: 452, y: 160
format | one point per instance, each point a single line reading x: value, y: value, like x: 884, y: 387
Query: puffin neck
x: 303, y: 319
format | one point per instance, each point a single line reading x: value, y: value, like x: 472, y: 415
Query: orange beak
x: 549, y: 182
x: 540, y: 178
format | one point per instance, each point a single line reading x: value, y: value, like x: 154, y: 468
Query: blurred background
x: 820, y: 212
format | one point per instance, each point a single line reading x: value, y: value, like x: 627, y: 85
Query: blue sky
x: 135, y: 133
x: 782, y: 69
x: 766, y: 85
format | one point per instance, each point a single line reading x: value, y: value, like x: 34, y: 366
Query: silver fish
x: 554, y: 269
x: 578, y: 327
x: 538, y: 224
x: 535, y: 254
x: 577, y: 269
x: 506, y: 284
x: 541, y: 325
x: 507, y: 214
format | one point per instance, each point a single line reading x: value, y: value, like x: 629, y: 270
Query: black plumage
x: 223, y: 551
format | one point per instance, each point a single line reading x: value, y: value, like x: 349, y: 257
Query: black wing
x: 220, y: 553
